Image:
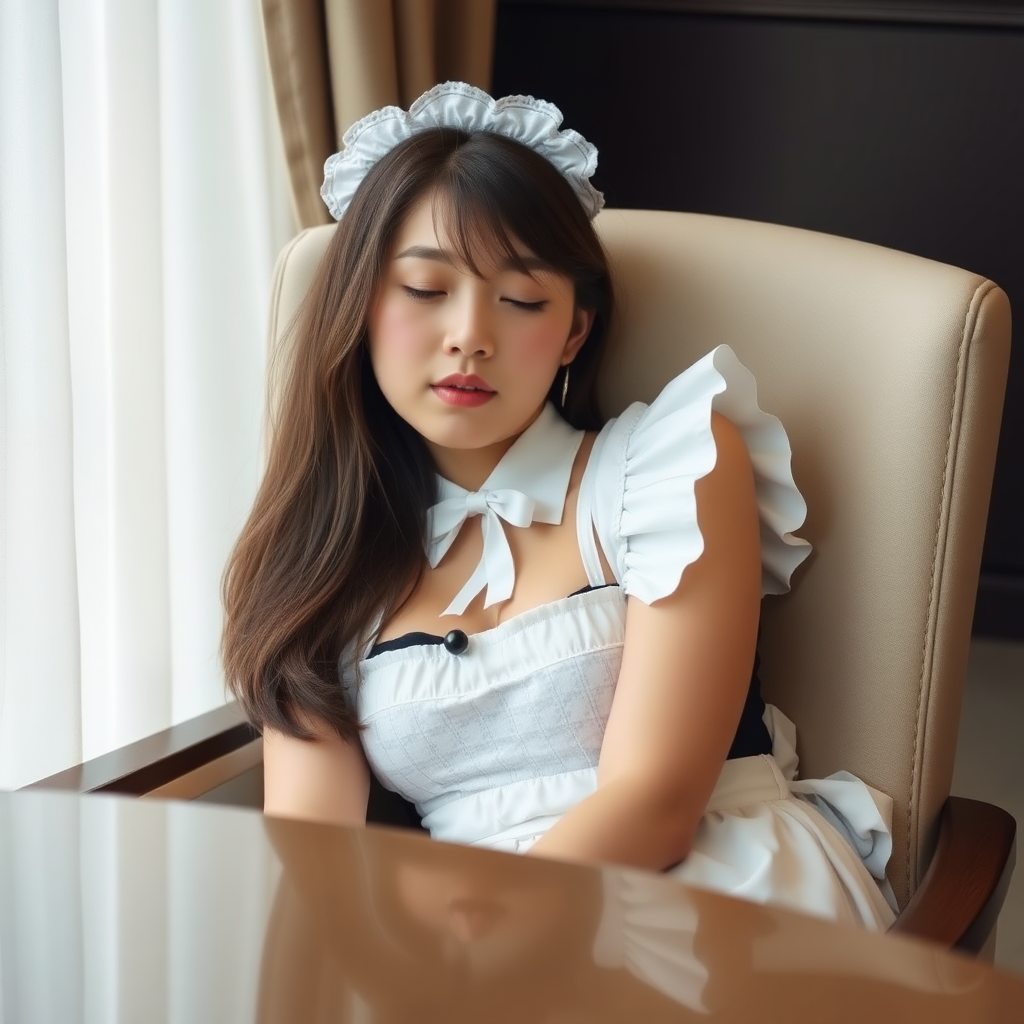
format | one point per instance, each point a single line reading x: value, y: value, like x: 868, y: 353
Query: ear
x: 582, y: 321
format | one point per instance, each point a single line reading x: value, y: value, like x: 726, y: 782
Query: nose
x: 470, y: 331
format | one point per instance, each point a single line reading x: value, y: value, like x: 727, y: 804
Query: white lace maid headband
x: 534, y: 123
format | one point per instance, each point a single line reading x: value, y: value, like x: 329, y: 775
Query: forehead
x: 420, y: 225
x: 477, y: 243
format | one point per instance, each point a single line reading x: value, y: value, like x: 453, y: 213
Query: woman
x: 546, y: 626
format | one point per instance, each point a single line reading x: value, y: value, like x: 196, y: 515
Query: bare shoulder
x: 733, y: 456
x: 726, y: 498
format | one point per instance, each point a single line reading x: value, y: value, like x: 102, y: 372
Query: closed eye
x: 532, y: 307
x: 421, y: 293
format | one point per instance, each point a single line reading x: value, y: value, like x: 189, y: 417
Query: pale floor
x: 990, y: 764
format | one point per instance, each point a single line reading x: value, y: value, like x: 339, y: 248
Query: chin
x: 467, y: 441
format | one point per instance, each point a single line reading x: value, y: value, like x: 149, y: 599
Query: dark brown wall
x: 908, y: 134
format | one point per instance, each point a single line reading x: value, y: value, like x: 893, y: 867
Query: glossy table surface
x: 118, y: 910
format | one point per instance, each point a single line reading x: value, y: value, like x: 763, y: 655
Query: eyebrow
x: 428, y: 252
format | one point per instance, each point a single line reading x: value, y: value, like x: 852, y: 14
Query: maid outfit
x: 493, y: 740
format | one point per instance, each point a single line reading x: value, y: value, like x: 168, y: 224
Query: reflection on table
x: 116, y: 910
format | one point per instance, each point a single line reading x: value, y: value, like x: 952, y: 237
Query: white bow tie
x: 528, y: 485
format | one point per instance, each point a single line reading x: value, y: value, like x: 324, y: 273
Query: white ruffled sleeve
x: 649, y: 459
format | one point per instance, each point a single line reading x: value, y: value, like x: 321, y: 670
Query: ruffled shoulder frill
x: 647, y: 461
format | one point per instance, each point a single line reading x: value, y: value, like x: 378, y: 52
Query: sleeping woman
x: 537, y: 626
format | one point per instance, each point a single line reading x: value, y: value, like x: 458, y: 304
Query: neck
x: 469, y: 468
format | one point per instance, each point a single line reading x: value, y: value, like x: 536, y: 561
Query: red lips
x: 460, y: 380
x: 466, y: 391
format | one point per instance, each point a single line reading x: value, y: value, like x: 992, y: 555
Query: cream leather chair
x: 888, y: 373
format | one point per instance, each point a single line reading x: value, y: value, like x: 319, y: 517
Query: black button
x: 456, y: 642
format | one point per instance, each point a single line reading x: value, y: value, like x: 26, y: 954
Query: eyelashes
x: 427, y: 294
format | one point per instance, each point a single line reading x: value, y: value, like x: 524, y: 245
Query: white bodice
x: 496, y: 743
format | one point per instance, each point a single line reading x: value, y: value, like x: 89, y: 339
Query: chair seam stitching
x: 958, y: 382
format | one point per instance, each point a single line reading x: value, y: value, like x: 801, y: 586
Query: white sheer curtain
x: 142, y: 202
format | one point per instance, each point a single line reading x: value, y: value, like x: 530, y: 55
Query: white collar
x: 528, y: 485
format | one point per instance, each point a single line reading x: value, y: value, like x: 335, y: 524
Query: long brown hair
x: 335, y: 537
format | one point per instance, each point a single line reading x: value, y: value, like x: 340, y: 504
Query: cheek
x: 396, y: 333
x: 542, y: 342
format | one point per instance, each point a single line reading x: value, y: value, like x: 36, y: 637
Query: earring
x: 565, y: 385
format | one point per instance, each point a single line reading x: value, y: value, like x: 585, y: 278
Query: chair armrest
x: 182, y: 761
x: 962, y: 892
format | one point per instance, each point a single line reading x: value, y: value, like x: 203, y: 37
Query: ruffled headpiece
x: 534, y: 123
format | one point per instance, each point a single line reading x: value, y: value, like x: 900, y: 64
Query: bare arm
x: 684, y: 677
x: 324, y: 779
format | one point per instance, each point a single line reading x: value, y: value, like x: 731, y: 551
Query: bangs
x: 477, y: 234
x: 488, y: 210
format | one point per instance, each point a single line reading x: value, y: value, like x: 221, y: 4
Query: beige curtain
x: 332, y: 61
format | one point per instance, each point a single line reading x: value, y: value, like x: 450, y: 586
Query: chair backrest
x: 888, y: 372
